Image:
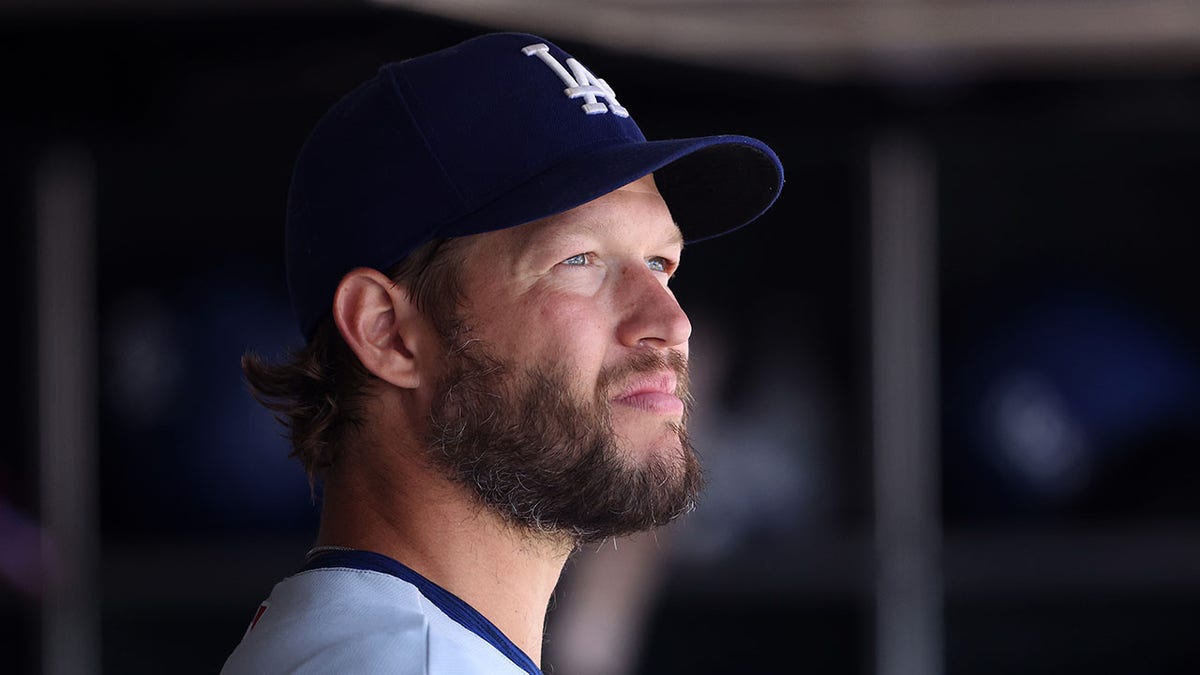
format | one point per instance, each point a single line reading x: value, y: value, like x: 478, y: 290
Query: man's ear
x: 382, y: 326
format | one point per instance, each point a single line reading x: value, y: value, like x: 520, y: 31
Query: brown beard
x: 549, y: 462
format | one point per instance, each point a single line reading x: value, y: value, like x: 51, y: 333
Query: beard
x: 549, y: 461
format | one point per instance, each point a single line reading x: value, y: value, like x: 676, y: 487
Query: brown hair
x: 317, y: 392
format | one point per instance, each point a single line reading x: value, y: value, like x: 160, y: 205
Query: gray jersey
x: 360, y: 612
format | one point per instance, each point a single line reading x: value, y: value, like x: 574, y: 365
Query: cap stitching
x: 413, y: 105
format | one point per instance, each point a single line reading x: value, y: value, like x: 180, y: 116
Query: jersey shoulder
x: 350, y: 620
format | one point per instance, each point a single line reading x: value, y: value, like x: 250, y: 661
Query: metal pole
x: 903, y: 241
x: 66, y: 374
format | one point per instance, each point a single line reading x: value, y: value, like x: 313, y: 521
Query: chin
x: 661, y: 441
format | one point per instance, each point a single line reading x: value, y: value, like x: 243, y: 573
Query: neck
x: 438, y: 529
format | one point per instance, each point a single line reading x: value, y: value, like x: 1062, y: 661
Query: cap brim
x: 712, y: 185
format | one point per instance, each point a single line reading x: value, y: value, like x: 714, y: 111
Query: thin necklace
x: 318, y: 550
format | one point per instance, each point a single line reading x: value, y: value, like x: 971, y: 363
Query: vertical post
x: 66, y: 374
x: 903, y: 242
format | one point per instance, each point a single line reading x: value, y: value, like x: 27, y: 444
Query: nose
x: 652, y: 316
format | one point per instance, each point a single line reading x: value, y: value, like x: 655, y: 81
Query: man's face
x: 564, y: 402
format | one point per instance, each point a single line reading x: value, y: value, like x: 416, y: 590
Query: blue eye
x: 575, y: 260
x: 657, y: 264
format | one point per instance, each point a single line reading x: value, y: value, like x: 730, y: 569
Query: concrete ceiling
x: 812, y: 39
x: 833, y: 38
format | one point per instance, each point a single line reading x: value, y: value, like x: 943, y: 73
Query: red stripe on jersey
x: 262, y: 609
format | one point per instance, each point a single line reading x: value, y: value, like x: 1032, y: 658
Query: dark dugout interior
x: 1069, y: 389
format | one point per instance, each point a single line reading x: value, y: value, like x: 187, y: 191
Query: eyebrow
x: 677, y: 235
x: 556, y: 236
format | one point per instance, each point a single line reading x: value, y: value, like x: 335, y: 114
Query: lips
x: 651, y: 392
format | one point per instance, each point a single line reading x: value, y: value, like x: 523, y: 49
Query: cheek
x: 571, y: 316
x: 571, y: 331
x: 548, y: 327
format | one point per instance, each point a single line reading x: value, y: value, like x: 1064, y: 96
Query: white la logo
x: 580, y: 83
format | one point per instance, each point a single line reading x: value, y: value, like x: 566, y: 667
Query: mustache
x: 648, y: 362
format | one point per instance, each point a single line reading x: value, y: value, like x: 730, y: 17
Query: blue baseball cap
x: 495, y: 132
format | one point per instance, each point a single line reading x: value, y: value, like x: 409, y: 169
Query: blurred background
x: 948, y: 389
